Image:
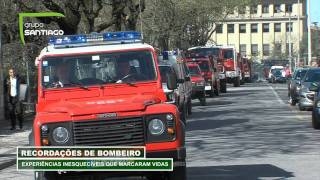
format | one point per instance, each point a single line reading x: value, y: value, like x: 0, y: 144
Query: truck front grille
x: 119, y: 132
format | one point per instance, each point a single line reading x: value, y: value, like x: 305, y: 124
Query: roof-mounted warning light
x: 96, y: 38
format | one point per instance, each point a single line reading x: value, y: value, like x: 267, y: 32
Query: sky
x: 315, y: 13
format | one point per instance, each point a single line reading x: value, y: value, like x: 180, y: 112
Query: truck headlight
x: 156, y: 127
x: 60, y: 135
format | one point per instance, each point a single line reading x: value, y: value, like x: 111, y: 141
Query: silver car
x: 306, y: 97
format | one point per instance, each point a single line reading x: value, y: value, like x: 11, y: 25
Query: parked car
x: 278, y: 76
x: 315, y: 87
x: 273, y: 70
x: 198, y: 83
x: 306, y: 97
x: 294, y: 81
x: 184, y: 88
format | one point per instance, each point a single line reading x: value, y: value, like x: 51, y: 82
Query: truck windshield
x: 194, y: 71
x: 203, y: 52
x: 313, y: 76
x: 97, y: 69
x: 228, y: 54
x: 204, y: 66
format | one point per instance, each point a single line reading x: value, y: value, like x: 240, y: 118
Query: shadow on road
x: 237, y: 172
x: 212, y: 124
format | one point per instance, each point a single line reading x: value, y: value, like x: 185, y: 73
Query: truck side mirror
x: 187, y: 78
x: 171, y: 82
x: 314, y: 87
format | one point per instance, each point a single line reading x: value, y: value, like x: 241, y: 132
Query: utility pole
x: 1, y: 76
x: 290, y: 46
x: 299, y: 12
x: 309, y: 35
x: 317, y: 38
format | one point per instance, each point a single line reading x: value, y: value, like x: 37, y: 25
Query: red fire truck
x: 105, y: 90
x: 246, y: 69
x: 231, y: 65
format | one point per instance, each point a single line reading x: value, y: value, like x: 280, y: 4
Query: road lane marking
x: 276, y: 95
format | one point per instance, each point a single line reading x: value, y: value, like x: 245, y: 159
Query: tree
x: 185, y: 23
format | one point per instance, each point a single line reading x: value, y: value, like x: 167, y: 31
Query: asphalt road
x: 247, y: 134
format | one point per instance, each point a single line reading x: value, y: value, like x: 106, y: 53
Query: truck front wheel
x: 223, y: 86
x: 236, y: 82
x: 178, y: 173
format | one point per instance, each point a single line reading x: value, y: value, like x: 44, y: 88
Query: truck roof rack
x: 107, y: 38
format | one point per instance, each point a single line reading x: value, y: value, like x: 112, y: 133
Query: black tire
x: 293, y: 102
x: 315, y: 122
x: 203, y: 101
x: 216, y: 90
x: 211, y: 92
x: 178, y: 173
x: 189, y: 107
x: 236, y: 82
x: 223, y: 86
x: 184, y: 114
x: 301, y: 108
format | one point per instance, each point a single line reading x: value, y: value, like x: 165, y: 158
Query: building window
x: 277, y: 49
x: 219, y: 28
x: 265, y: 8
x: 230, y: 28
x: 254, y: 49
x: 289, y: 27
x: 253, y: 9
x: 277, y: 27
x: 243, y: 49
x: 289, y: 8
x: 265, y: 27
x: 266, y: 49
x: 254, y: 28
x: 277, y: 8
x: 242, y: 28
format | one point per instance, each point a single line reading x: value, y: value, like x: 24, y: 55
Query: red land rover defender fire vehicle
x: 209, y: 69
x: 216, y: 52
x: 198, y: 83
x: 105, y: 90
x: 231, y: 65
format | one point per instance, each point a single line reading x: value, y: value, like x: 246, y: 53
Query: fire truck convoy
x: 232, y: 68
x: 105, y: 90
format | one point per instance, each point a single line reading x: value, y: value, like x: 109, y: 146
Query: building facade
x: 265, y: 30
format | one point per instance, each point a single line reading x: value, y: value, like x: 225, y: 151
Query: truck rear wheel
x: 189, y: 107
x: 236, y: 82
x: 45, y: 176
x: 216, y: 89
x: 223, y: 86
x: 203, y: 101
x: 178, y: 173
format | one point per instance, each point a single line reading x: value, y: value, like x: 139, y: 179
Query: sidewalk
x: 9, y: 140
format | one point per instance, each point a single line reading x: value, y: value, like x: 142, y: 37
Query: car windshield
x: 313, y: 76
x: 194, y: 71
x: 278, y: 72
x: 164, y: 72
x: 300, y: 74
x: 203, y: 52
x: 97, y: 69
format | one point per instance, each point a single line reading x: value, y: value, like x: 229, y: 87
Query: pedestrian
x: 12, y: 92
